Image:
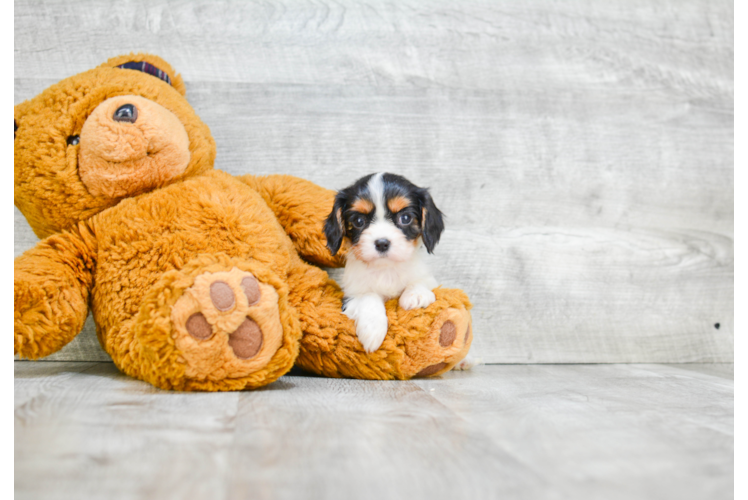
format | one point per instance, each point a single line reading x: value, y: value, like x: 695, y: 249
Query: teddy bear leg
x: 222, y: 326
x: 419, y: 342
x: 51, y: 285
x: 448, y: 334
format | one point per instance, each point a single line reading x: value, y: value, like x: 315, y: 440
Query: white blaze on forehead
x: 376, y: 190
x: 382, y: 228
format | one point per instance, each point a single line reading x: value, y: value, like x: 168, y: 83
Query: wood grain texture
x: 739, y: 174
x: 605, y: 431
x: 582, y: 153
x: 91, y: 432
x: 619, y: 432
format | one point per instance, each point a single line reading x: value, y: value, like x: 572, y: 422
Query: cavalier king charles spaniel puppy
x: 388, y: 221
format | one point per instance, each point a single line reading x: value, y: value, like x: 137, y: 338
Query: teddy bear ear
x: 18, y: 111
x: 148, y: 63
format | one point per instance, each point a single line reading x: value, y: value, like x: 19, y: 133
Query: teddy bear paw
x: 448, y: 340
x: 227, y: 325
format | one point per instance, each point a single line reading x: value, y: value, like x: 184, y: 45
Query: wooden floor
x: 83, y: 430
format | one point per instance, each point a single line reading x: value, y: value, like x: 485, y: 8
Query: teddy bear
x: 196, y: 279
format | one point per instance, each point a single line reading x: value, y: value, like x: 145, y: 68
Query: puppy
x: 387, y: 220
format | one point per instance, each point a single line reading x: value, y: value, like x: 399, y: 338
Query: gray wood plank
x: 583, y: 153
x: 367, y: 440
x: 724, y: 370
x: 597, y: 295
x: 739, y: 174
x: 741, y: 318
x: 34, y: 378
x: 104, y: 435
x: 82, y: 430
x: 412, y: 43
x: 605, y: 431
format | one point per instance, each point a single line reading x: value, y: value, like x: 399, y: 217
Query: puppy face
x: 383, y: 215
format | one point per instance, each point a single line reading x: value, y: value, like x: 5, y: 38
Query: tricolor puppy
x: 387, y: 220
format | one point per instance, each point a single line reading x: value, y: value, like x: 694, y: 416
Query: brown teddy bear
x: 197, y: 280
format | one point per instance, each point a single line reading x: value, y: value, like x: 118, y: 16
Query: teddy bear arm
x: 51, y: 286
x: 301, y: 208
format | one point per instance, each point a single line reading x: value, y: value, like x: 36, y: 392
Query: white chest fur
x: 385, y: 278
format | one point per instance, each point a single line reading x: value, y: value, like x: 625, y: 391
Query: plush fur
x: 197, y: 280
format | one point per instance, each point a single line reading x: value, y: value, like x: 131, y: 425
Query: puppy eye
x: 358, y: 221
x: 73, y: 140
x: 404, y: 219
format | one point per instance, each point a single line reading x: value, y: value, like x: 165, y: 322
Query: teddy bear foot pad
x: 448, y: 341
x: 226, y: 325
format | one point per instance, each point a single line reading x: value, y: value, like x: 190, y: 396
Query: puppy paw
x: 371, y: 333
x: 416, y: 296
x: 371, y: 320
x: 468, y: 362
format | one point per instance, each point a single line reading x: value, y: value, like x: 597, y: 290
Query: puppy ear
x: 334, y: 225
x: 432, y: 221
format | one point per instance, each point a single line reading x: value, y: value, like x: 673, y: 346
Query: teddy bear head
x: 113, y: 132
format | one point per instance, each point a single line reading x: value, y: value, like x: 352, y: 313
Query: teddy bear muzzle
x: 130, y: 145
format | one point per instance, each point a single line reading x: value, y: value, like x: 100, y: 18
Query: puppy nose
x: 382, y: 245
x: 127, y: 113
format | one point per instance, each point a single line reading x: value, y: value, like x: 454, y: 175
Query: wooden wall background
x: 583, y: 151
x: 739, y: 173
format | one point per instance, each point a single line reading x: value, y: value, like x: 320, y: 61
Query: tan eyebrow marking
x: 363, y: 206
x: 398, y: 203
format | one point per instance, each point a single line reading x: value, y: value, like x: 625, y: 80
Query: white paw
x: 417, y: 296
x: 371, y: 333
x: 467, y: 363
x: 371, y: 320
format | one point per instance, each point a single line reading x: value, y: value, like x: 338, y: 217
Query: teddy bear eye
x: 73, y: 140
x: 15, y: 129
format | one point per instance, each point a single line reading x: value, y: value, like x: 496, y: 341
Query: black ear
x: 334, y: 225
x: 432, y: 220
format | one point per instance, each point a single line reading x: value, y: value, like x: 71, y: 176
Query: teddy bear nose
x: 126, y: 113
